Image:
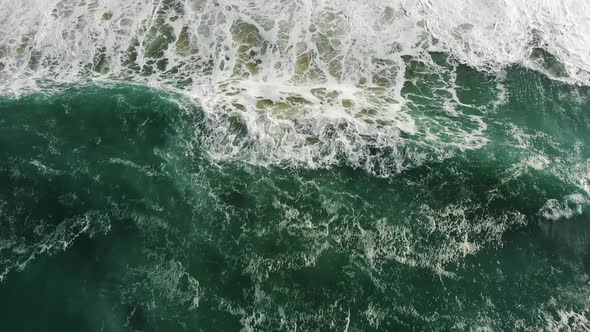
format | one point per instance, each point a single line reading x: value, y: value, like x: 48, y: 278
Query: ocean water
x: 311, y: 165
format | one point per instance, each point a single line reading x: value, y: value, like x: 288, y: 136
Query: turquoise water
x: 115, y: 217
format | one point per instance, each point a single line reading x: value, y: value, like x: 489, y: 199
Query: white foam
x: 571, y: 206
x: 568, y: 320
x: 496, y: 34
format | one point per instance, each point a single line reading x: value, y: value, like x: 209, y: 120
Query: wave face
x: 294, y: 165
x: 308, y: 83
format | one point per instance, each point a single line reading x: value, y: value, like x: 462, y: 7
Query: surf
x: 278, y: 77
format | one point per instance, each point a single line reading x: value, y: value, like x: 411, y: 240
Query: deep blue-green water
x: 114, y: 219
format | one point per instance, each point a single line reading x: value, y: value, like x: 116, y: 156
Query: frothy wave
x: 306, y: 83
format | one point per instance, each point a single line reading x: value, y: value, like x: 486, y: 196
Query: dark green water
x: 113, y: 218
